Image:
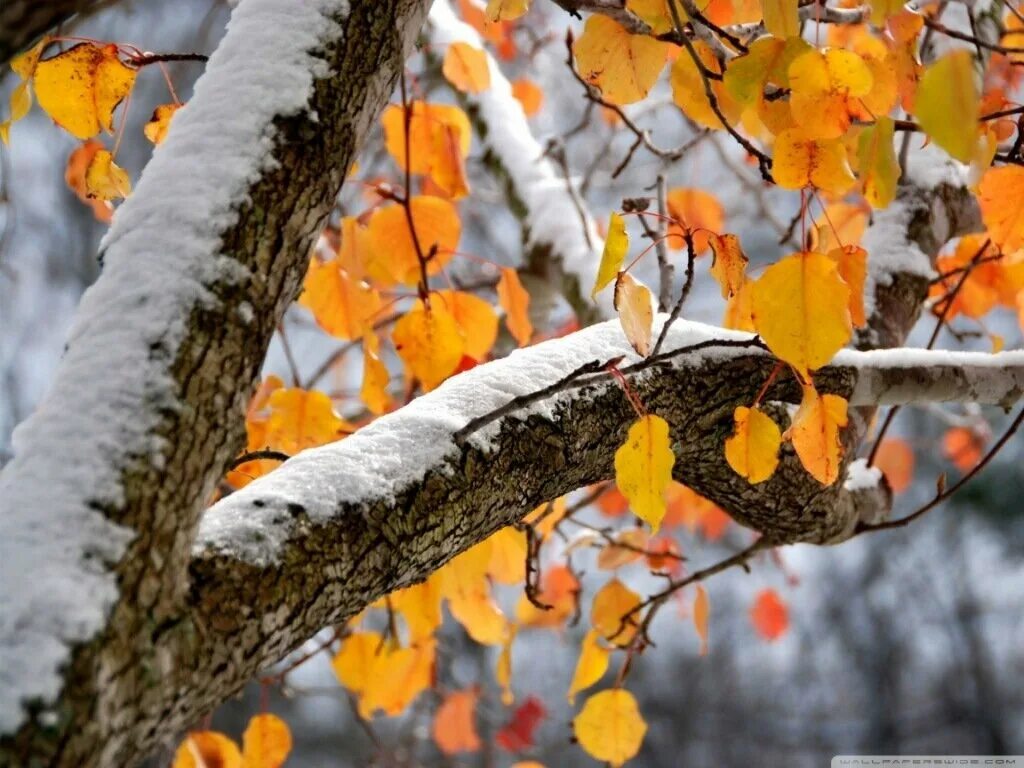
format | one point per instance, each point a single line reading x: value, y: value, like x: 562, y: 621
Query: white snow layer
x: 859, y: 476
x: 552, y: 218
x: 56, y: 547
x: 397, y: 450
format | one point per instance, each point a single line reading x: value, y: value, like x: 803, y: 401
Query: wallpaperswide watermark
x: 925, y: 761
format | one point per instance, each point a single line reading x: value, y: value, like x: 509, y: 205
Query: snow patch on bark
x: 57, y: 547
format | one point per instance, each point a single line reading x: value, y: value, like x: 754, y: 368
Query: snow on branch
x: 558, y: 226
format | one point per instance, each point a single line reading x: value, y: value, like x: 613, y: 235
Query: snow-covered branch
x: 562, y: 245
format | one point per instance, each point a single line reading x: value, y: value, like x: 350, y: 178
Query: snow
x: 56, y: 546
x: 859, y: 476
x: 552, y: 218
x: 396, y: 451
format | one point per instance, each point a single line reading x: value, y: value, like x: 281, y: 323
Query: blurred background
x: 906, y: 642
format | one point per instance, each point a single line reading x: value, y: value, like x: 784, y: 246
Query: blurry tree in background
x: 764, y: 259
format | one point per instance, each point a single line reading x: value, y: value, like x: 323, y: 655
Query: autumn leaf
x: 590, y: 667
x: 624, y: 66
x: 627, y: 547
x: 879, y: 168
x: 398, y: 676
x: 503, y: 668
x: 394, y: 256
x: 633, y: 302
x: 301, y: 419
x: 753, y: 449
x: 466, y: 68
x: 105, y: 179
x: 895, y: 458
x: 852, y: 263
x: 824, y: 85
x: 609, y: 612
x: 266, y: 742
x: 341, y: 304
x: 780, y: 18
x: 202, y: 749
x: 476, y: 319
x: 947, y: 104
x: 841, y: 224
x: 1002, y: 206
x: 610, y: 727
x: 801, y: 310
x: 529, y: 95
x: 643, y: 468
x: 616, y: 246
x: 798, y: 162
x: 729, y: 267
x: 353, y: 663
x: 815, y: 433
x: 374, y: 389
x: 517, y: 734
x: 81, y: 87
x: 420, y: 606
x: 696, y: 213
x: 963, y: 447
x: 689, y: 94
x: 656, y: 14
x: 516, y: 302
x: 439, y: 142
x: 158, y: 125
x: 74, y: 176
x: 24, y: 66
x: 739, y: 309
x: 559, y: 590
x: 701, y: 612
x: 506, y: 10
x: 455, y: 723
x: 769, y: 615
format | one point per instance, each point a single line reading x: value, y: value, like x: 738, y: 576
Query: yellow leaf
x: 341, y: 304
x: 643, y: 468
x: 503, y: 669
x: 656, y: 14
x: 506, y: 10
x: 474, y: 608
x: 701, y: 612
x: 878, y: 167
x: 636, y: 313
x: 853, y: 268
x: 158, y: 125
x: 801, y: 310
x: 590, y: 668
x: 439, y: 141
x: 398, y: 676
x: 610, y: 612
x: 798, y: 162
x: 1002, y: 206
x: 616, y: 246
x: 301, y: 419
x: 815, y: 434
x: 739, y: 309
x: 688, y: 88
x: 729, y: 267
x: 476, y: 319
x: 780, y: 18
x: 353, y: 664
x: 508, y: 556
x: 466, y: 68
x: 105, y: 179
x: 420, y: 606
x: 516, y: 302
x: 203, y: 749
x: 266, y: 742
x: 374, y: 389
x: 429, y: 343
x: 81, y: 88
x: 394, y: 256
x: 824, y: 85
x: 841, y: 224
x: 753, y: 449
x: 622, y: 65
x: 947, y: 104
x: 610, y: 727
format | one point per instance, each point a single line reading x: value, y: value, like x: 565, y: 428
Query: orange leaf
x: 852, y: 262
x: 429, y: 343
x: 697, y: 213
x: 439, y: 140
x: 74, y: 177
x: 466, y: 68
x: 266, y: 742
x: 455, y: 723
x: 636, y: 312
x: 701, y: 611
x: 516, y: 302
x: 301, y: 419
x: 529, y: 95
x: 608, y: 613
x: 769, y: 615
x: 629, y: 547
x: 815, y: 433
x: 393, y: 249
x: 207, y: 749
x: 729, y: 267
x: 476, y: 319
x: 622, y: 65
x: 342, y: 305
x: 1002, y: 206
x: 963, y: 447
x: 895, y: 458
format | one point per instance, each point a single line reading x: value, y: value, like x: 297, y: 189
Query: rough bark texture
x: 22, y: 22
x: 121, y: 695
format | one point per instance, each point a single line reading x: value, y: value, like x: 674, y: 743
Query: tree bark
x: 22, y: 22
